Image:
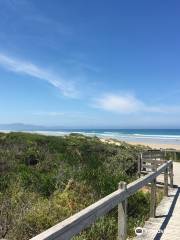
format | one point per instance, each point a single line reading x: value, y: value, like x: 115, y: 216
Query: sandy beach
x: 158, y: 145
x: 151, y: 145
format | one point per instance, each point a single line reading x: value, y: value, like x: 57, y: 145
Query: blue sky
x: 90, y: 63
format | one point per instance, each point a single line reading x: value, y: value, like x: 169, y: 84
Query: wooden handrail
x: 75, y: 224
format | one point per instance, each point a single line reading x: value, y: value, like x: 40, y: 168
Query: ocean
x: 161, y: 136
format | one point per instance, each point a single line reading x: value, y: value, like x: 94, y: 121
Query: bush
x: 48, y: 212
x: 50, y: 178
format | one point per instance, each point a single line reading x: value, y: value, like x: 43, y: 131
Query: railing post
x: 165, y: 154
x: 139, y: 165
x: 153, y: 199
x: 166, y: 182
x: 122, y: 215
x: 171, y: 174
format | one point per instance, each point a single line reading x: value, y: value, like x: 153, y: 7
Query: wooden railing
x: 81, y: 220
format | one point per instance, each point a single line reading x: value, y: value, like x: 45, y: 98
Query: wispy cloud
x: 128, y: 103
x: 36, y: 25
x: 22, y: 67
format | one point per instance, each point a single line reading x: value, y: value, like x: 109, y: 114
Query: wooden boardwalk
x: 166, y: 224
x: 76, y: 223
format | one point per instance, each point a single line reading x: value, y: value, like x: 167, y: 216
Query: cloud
x: 18, y: 66
x: 117, y: 103
x: 127, y: 103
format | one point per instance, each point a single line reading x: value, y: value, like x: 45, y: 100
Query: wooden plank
x: 144, y: 172
x: 166, y: 182
x: 122, y: 215
x: 153, y: 161
x: 139, y: 166
x: 147, y: 166
x: 152, y: 156
x: 153, y: 152
x: 71, y: 226
x: 157, y: 154
x: 153, y: 199
x: 171, y: 175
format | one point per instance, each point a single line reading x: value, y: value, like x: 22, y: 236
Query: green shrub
x: 48, y: 212
x: 50, y: 178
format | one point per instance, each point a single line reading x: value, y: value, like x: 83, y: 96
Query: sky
x: 90, y: 64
